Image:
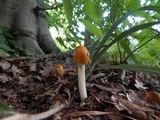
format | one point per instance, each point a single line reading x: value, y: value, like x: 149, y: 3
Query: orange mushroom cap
x: 81, y: 55
x: 59, y: 71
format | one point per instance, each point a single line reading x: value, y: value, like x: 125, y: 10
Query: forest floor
x: 29, y: 86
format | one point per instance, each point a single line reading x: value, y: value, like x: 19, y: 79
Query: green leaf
x: 132, y: 4
x: 92, y: 28
x: 154, y: 8
x: 92, y: 10
x: 68, y: 9
x: 115, y: 25
x: 98, y: 54
x: 15, y: 44
x: 128, y: 50
x: 157, y: 43
x: 5, y: 110
x: 2, y: 39
x: 119, y: 37
x: 138, y: 68
x: 28, y: 52
x: 61, y: 42
x: 93, y: 48
x: 7, y: 34
x: 1, y: 30
x: 6, y: 48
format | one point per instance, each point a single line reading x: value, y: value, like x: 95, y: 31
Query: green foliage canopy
x: 123, y: 28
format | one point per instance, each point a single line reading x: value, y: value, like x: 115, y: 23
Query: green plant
x: 101, y: 48
x: 5, y: 110
x: 7, y: 42
x: 9, y: 45
x: 114, y: 29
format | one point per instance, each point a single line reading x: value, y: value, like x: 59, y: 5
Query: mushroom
x: 81, y: 57
x: 59, y: 71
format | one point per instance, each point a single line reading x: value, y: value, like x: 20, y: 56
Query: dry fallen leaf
x: 5, y: 65
x: 153, y: 99
x: 33, y: 67
x: 28, y: 85
x: 139, y: 111
x: 3, y: 78
x: 15, y: 71
x: 137, y: 97
x: 115, y: 110
x: 139, y: 85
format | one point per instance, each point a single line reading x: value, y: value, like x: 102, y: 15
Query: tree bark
x: 33, y: 31
x: 87, y: 39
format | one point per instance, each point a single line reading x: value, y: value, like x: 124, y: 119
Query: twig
x: 82, y: 113
x: 39, y: 116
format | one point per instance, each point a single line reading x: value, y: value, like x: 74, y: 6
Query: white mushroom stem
x: 82, y: 81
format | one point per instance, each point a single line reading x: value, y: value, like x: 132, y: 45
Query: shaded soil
x: 29, y: 85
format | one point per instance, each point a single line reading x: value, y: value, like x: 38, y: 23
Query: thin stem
x: 82, y: 81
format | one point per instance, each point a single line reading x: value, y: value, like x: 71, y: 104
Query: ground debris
x: 30, y: 87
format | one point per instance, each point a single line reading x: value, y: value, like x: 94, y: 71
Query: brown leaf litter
x: 29, y: 87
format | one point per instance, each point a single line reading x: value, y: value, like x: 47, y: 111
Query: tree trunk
x: 33, y: 31
x: 87, y: 39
